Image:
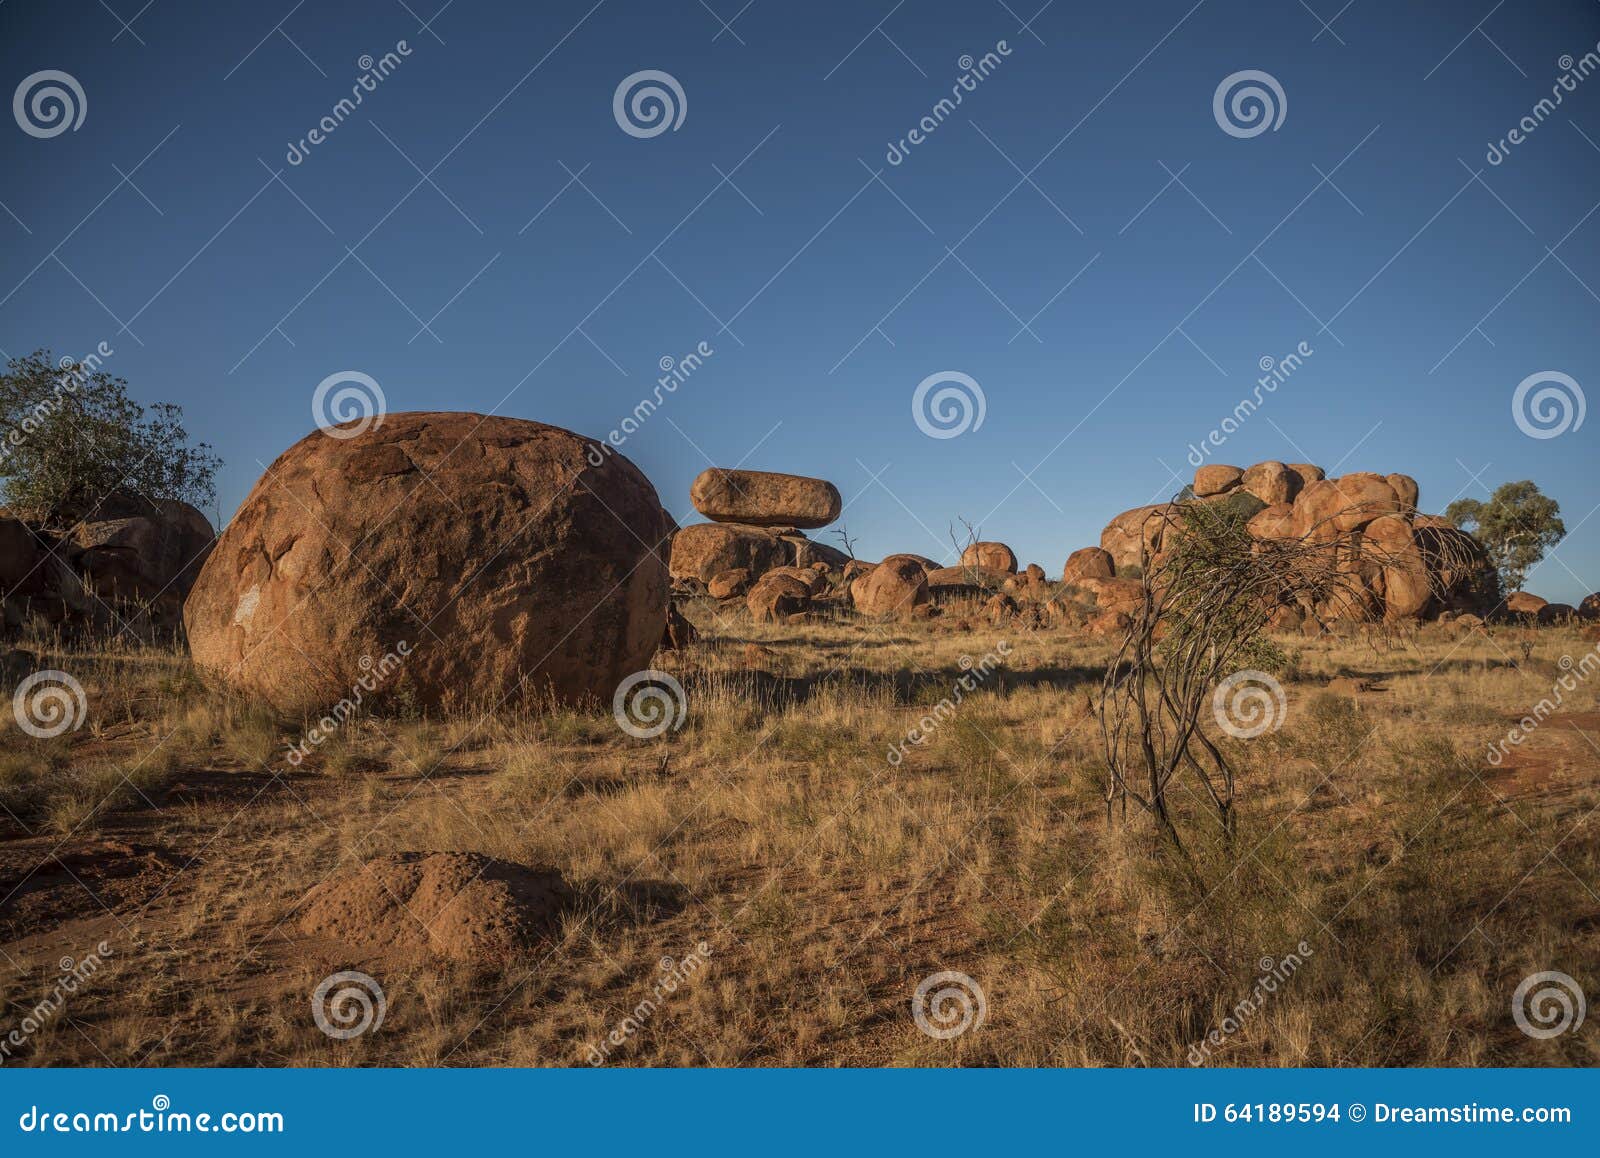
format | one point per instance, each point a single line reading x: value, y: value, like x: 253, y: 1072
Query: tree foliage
x: 70, y: 438
x: 1516, y: 526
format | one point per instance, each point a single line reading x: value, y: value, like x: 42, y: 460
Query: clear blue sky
x: 222, y: 275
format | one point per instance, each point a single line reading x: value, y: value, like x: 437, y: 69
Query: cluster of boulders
x: 457, y: 560
x: 754, y: 549
x: 126, y: 566
x: 1393, y: 562
x: 757, y: 520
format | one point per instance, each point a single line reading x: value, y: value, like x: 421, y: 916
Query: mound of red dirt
x: 462, y: 906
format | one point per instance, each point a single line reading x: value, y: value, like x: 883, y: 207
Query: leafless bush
x: 1212, y: 589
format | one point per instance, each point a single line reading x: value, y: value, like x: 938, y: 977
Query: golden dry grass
x: 825, y: 880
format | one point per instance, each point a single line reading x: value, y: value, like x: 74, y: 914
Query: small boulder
x: 1525, y: 603
x: 775, y: 597
x: 1109, y: 623
x: 1274, y: 522
x: 1406, y: 490
x: 1552, y: 614
x: 895, y: 587
x: 728, y: 584
x: 990, y: 556
x: 1135, y: 533
x: 1089, y: 563
x: 1216, y: 479
x: 1272, y: 482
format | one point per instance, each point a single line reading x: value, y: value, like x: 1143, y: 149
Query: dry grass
x: 824, y: 879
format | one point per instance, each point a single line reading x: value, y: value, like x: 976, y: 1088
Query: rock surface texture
x: 765, y: 499
x: 507, y: 564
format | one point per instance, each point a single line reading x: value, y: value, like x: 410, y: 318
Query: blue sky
x: 1080, y: 236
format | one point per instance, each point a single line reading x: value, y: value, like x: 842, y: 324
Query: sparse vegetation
x: 826, y: 881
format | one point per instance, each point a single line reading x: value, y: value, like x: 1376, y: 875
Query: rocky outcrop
x: 764, y: 499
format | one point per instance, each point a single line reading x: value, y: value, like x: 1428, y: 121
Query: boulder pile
x: 756, y: 522
x: 1395, y: 563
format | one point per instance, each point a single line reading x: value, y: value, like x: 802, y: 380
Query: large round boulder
x: 446, y: 559
x: 764, y: 499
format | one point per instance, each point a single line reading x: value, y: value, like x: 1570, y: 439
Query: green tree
x: 1516, y: 526
x: 70, y: 438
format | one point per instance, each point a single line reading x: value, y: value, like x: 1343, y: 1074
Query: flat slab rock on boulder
x: 462, y: 906
x: 507, y: 563
x: 764, y: 498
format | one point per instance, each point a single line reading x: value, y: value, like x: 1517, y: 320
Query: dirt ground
x: 768, y: 885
